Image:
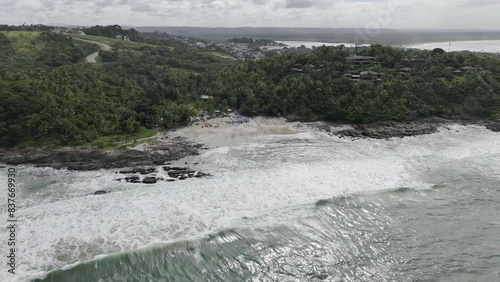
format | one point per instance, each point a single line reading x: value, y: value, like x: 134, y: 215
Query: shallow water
x: 302, y: 207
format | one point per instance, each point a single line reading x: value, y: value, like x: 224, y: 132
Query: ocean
x: 296, y: 207
x: 489, y: 46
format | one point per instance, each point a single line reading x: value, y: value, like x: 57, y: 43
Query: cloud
x: 143, y: 8
x: 417, y: 14
x: 259, y: 2
x: 478, y: 3
x: 105, y: 3
x: 290, y: 4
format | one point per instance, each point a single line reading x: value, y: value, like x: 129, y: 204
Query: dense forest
x: 254, y: 42
x: 402, y: 85
x: 50, y: 96
x: 112, y: 31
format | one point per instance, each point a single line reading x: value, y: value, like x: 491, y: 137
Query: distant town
x: 239, y: 48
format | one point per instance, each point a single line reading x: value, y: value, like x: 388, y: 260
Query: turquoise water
x: 490, y: 46
x: 445, y: 233
x: 304, y: 207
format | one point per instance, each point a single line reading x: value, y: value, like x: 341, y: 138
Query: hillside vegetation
x: 401, y: 85
x: 50, y: 96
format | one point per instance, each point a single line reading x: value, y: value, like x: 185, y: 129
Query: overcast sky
x: 416, y: 14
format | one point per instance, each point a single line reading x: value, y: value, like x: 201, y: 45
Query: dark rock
x: 150, y: 180
x: 181, y: 172
x: 389, y: 130
x: 139, y: 170
x: 86, y: 160
x: 201, y: 175
x: 179, y: 168
x: 100, y: 192
x: 293, y: 118
x: 168, y: 168
x: 133, y: 179
x: 493, y: 126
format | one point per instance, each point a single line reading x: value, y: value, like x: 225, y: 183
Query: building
x: 418, y: 60
x: 201, y: 45
x: 468, y: 69
x: 122, y: 37
x: 296, y: 70
x: 370, y: 75
x: 206, y: 97
x: 360, y: 60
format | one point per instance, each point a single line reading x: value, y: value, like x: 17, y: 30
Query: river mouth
x: 291, y: 207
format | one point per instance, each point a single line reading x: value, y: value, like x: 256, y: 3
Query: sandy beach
x: 220, y: 132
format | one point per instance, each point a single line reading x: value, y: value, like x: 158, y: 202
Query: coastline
x: 192, y: 140
x: 78, y: 159
x: 487, y: 45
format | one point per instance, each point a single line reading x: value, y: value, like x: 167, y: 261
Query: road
x: 91, y: 58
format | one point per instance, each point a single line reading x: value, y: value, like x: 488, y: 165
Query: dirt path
x: 91, y: 58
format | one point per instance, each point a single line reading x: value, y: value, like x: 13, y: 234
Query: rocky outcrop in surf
x: 493, y: 126
x: 389, y: 130
x: 77, y: 159
x: 174, y: 174
x: 386, y: 130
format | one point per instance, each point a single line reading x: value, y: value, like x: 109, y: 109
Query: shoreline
x: 192, y: 140
x: 78, y: 159
x: 492, y: 45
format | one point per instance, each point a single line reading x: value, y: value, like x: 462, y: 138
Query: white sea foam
x: 61, y: 223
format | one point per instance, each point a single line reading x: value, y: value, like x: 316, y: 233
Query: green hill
x: 51, y: 96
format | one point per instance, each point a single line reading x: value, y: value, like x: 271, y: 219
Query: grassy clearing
x: 25, y: 42
x: 121, y: 141
x: 19, y: 33
x: 113, y: 42
x: 221, y: 55
x: 113, y: 142
x: 26, y: 46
